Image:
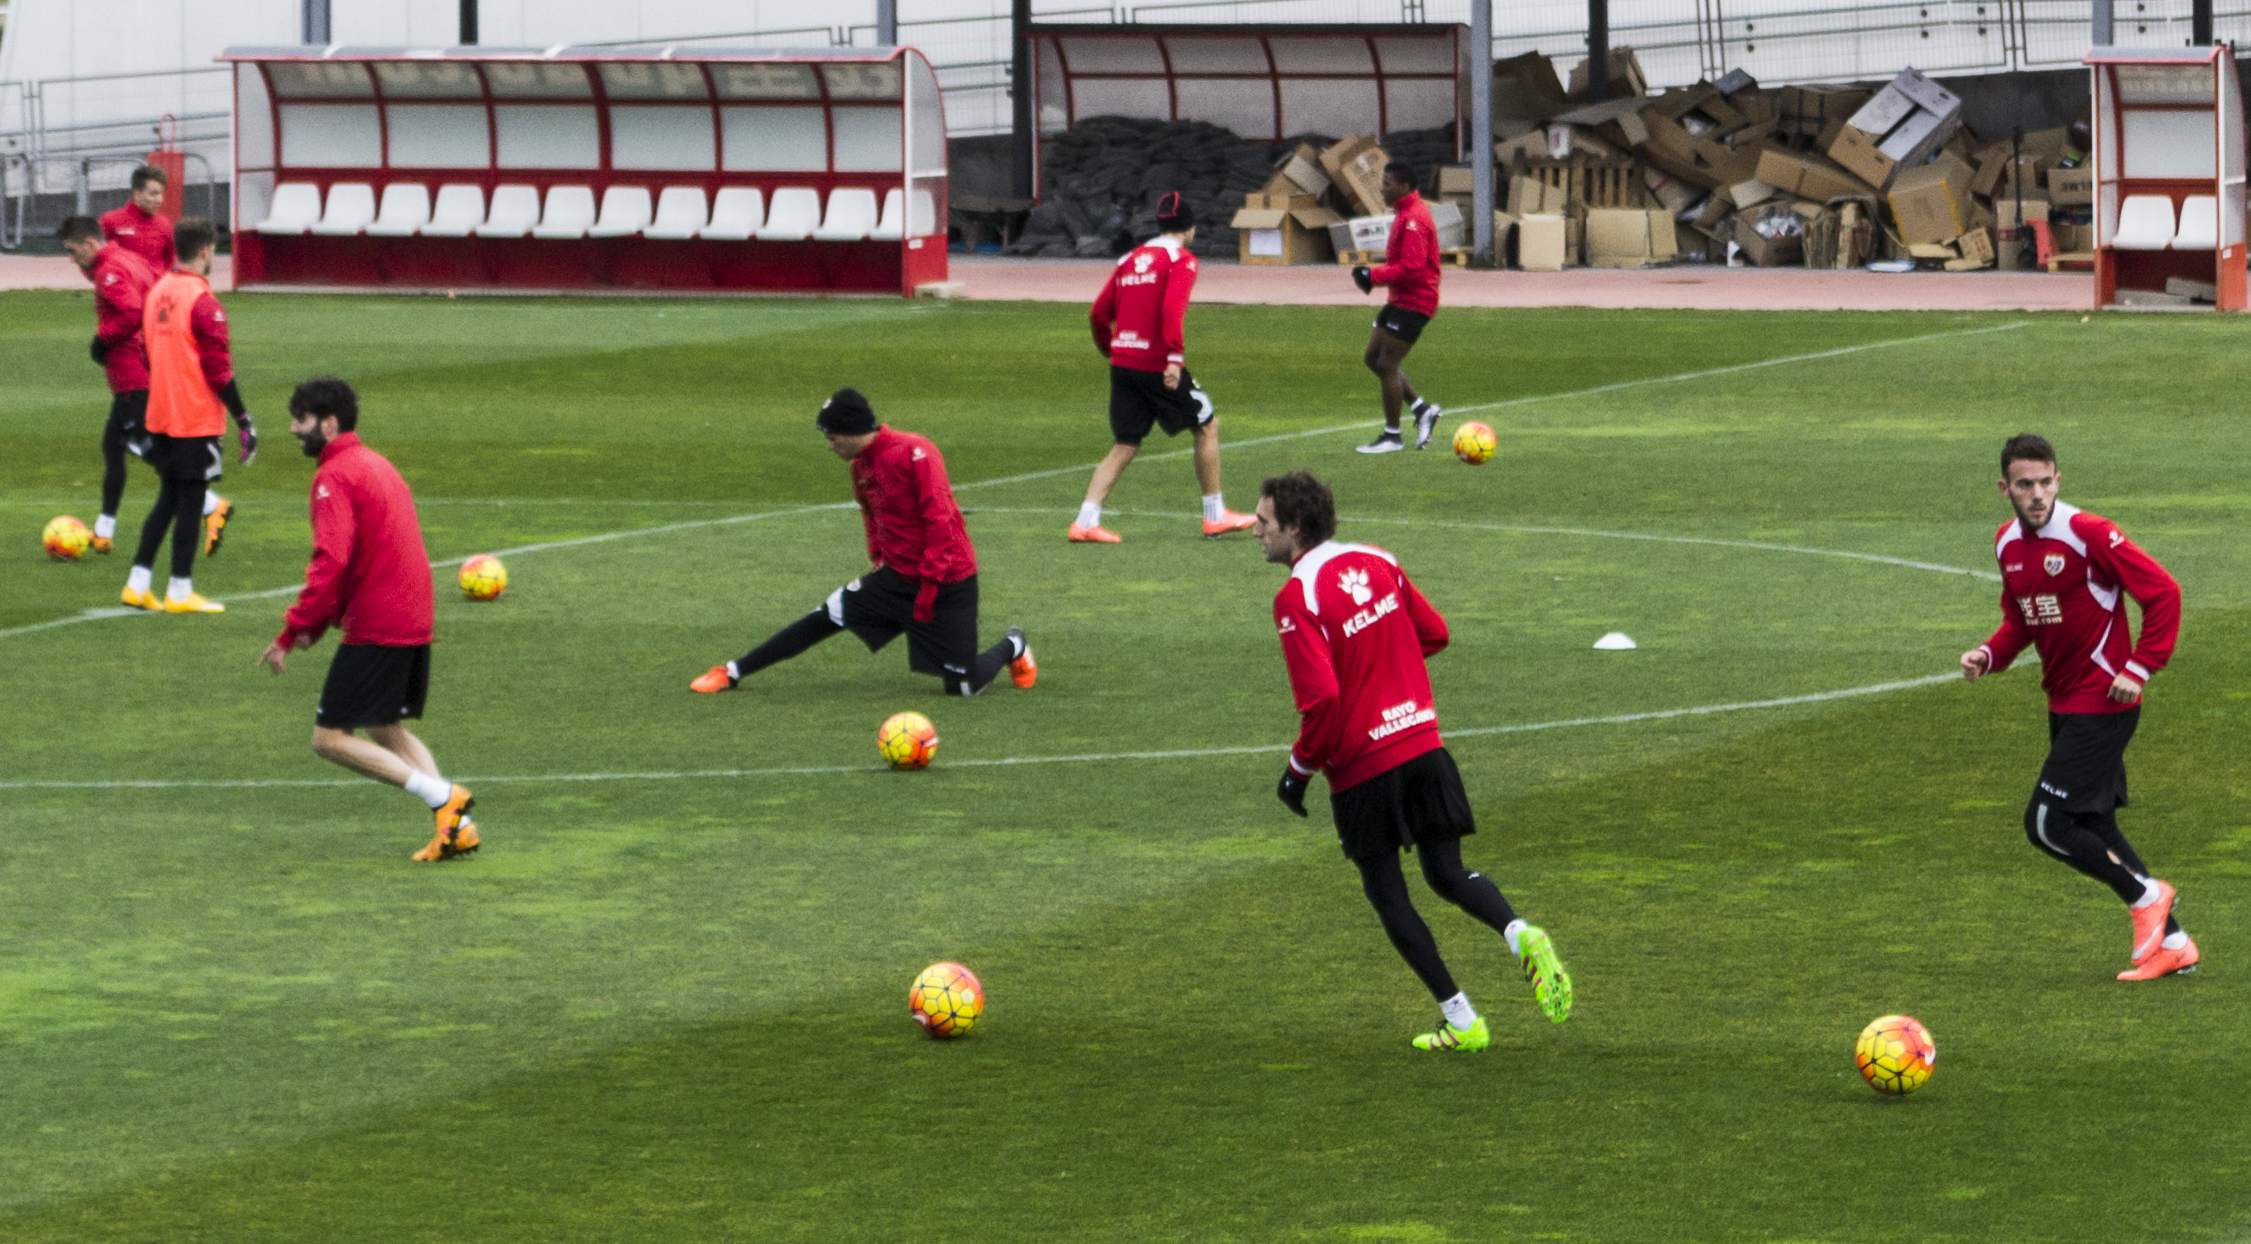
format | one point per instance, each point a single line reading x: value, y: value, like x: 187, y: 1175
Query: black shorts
x: 2086, y: 766
x: 123, y: 434
x: 1419, y: 801
x: 1139, y: 401
x: 1406, y: 325
x: 184, y: 457
x: 878, y: 607
x: 373, y: 685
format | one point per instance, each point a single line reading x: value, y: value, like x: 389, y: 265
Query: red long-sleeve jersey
x: 907, y: 506
x: 1140, y: 317
x: 1355, y: 634
x: 370, y: 570
x: 2060, y: 593
x: 1410, y: 257
x: 121, y: 286
x: 147, y: 236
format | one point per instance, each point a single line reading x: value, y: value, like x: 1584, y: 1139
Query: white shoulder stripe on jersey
x: 1309, y: 566
x: 2058, y: 527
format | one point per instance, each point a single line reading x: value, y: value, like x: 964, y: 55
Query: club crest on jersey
x: 2052, y: 563
x: 1354, y: 583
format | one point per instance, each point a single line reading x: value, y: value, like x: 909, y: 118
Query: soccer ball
x: 66, y: 539
x: 1474, y: 443
x: 907, y: 741
x: 483, y: 577
x: 946, y: 1000
x: 1895, y: 1054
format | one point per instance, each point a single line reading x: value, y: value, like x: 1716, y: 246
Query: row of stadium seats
x: 738, y: 213
x: 2145, y: 223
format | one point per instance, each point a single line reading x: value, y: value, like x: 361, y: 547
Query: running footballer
x: 1410, y: 269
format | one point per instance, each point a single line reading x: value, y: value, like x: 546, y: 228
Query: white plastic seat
x: 460, y: 210
x: 793, y: 216
x: 679, y: 213
x: 625, y: 212
x: 569, y: 214
x: 922, y: 214
x: 851, y: 215
x: 893, y: 226
x: 2145, y: 223
x: 737, y: 213
x: 351, y: 208
x: 515, y: 209
x: 406, y: 208
x: 295, y: 209
x: 2200, y: 224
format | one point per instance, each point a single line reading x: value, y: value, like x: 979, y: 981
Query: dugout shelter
x: 644, y: 167
x: 2169, y: 172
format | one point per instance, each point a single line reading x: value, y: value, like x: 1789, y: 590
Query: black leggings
x: 179, y: 505
x: 798, y: 636
x: 2086, y: 841
x: 125, y: 413
x: 1386, y: 887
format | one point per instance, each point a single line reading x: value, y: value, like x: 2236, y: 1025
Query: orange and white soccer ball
x: 946, y: 1000
x: 1895, y: 1054
x: 1474, y: 443
x: 907, y: 741
x: 483, y: 577
x: 66, y: 539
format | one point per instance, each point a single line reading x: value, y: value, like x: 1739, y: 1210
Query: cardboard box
x: 1299, y: 174
x: 1452, y: 225
x: 1699, y: 161
x: 1525, y: 87
x: 1528, y: 196
x: 1931, y: 203
x: 1287, y: 202
x: 1750, y: 193
x: 1902, y: 126
x: 1629, y: 237
x: 2071, y: 187
x: 1504, y: 236
x: 1276, y: 235
x: 1804, y: 111
x: 1675, y: 194
x: 1542, y: 242
x: 1355, y: 165
x: 1456, y: 179
x: 1808, y: 177
x: 1977, y: 244
x: 1786, y: 246
x: 1626, y: 78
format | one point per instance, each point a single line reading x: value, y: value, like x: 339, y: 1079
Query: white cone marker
x: 1615, y: 641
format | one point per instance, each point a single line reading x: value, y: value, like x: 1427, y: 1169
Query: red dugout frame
x: 2171, y: 95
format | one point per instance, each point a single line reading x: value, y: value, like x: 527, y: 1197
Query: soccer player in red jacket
x: 1355, y: 635
x: 370, y: 574
x: 2065, y: 576
x: 138, y: 226
x: 121, y: 286
x: 1410, y: 268
x: 1139, y: 322
x: 922, y: 576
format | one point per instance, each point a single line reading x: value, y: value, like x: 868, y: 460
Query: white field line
x: 95, y: 615
x: 1186, y: 753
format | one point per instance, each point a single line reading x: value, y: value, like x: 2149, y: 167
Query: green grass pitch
x: 672, y: 1008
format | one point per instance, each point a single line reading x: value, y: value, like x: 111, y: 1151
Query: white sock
x: 1515, y: 930
x: 1459, y: 1012
x: 105, y: 526
x: 2174, y: 941
x: 1420, y: 403
x: 429, y: 788
x: 734, y: 673
x: 179, y: 588
x: 1215, y: 506
x: 2150, y: 894
x: 1090, y: 514
x: 211, y: 502
x: 138, y: 578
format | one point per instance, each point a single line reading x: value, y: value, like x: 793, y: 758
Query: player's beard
x: 2028, y: 522
x: 313, y: 442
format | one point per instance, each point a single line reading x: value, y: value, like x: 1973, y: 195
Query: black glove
x: 100, y: 353
x: 1363, y: 278
x: 246, y: 433
x: 1291, y: 791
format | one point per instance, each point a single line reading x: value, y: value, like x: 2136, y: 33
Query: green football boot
x: 1551, y: 985
x: 1475, y: 1037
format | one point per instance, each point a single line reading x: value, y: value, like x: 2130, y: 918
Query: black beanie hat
x: 846, y: 413
x: 1173, y: 213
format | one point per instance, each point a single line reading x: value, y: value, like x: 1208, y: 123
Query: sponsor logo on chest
x: 1371, y: 615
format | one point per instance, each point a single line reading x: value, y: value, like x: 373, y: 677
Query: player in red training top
x: 1410, y: 268
x: 922, y: 577
x: 1355, y: 635
x: 370, y: 574
x: 121, y: 286
x: 138, y: 226
x: 2065, y: 575
x: 1139, y: 325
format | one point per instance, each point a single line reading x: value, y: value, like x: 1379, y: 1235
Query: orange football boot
x: 2163, y: 962
x: 102, y: 544
x: 711, y: 680
x: 1093, y: 535
x: 215, y: 526
x: 1023, y: 671
x: 2149, y: 922
x: 457, y: 834
x: 1229, y: 520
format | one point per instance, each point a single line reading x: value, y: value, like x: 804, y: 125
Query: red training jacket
x: 121, y: 286
x: 908, y: 508
x: 1355, y: 634
x: 1140, y: 317
x: 1410, y: 257
x: 185, y: 332
x: 370, y: 570
x: 149, y: 237
x: 2060, y: 593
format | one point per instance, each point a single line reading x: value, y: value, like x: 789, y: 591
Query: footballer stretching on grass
x: 1356, y: 635
x: 2065, y: 576
x: 922, y: 575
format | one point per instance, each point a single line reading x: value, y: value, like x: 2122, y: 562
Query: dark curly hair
x: 1303, y: 502
x: 323, y: 396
